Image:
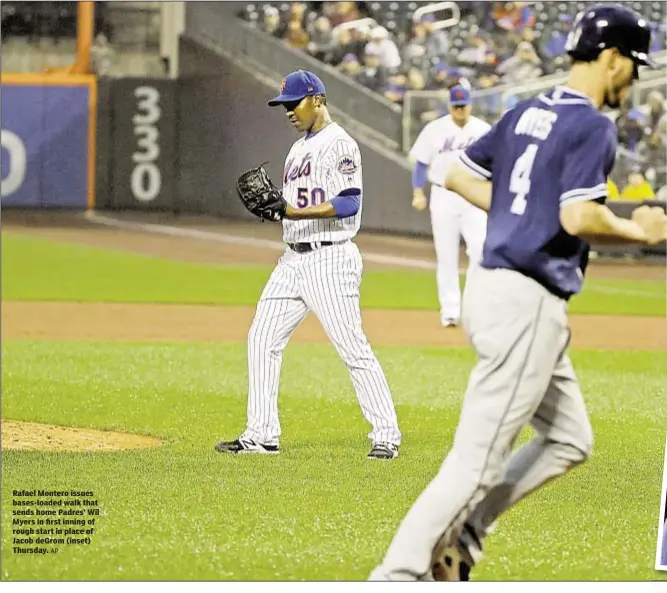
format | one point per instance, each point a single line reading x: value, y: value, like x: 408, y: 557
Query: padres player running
x: 320, y: 272
x: 540, y: 173
x: 437, y: 147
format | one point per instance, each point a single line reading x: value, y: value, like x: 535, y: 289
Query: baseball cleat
x: 454, y: 563
x: 243, y: 445
x: 450, y: 567
x: 450, y: 322
x: 383, y: 451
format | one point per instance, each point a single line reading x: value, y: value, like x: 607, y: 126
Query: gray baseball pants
x: 523, y: 375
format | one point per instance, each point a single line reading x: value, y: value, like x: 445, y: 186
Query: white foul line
x: 173, y: 231
x: 378, y: 258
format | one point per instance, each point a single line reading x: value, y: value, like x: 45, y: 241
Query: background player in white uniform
x: 320, y: 271
x: 438, y: 146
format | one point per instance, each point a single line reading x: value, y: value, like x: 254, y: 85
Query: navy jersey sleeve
x: 588, y: 162
x: 478, y: 157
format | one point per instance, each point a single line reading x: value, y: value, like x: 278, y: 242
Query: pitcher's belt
x: 307, y: 247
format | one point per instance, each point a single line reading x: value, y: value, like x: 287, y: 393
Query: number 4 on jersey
x: 520, y: 179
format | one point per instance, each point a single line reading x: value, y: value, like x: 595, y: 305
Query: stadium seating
x: 547, y: 21
x: 39, y: 36
x: 496, y: 27
x: 56, y: 20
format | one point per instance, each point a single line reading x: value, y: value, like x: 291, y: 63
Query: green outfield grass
x: 320, y: 510
x: 37, y: 269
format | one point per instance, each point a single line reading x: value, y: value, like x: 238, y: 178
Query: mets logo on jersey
x: 346, y: 165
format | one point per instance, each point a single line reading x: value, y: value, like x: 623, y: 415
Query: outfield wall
x: 48, y: 141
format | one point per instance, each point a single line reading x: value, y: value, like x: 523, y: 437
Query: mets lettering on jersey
x: 294, y: 171
x: 454, y: 143
x: 441, y: 141
x: 318, y: 167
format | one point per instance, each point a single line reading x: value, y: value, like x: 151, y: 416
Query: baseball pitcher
x: 320, y: 207
x: 540, y: 173
x: 437, y: 147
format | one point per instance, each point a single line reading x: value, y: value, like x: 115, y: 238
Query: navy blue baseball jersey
x: 548, y: 151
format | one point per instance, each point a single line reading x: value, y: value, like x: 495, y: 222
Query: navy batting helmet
x: 610, y: 25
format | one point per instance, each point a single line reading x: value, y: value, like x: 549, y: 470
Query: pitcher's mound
x: 32, y: 436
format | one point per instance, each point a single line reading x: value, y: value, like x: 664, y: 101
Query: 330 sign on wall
x: 143, y: 135
x: 146, y: 177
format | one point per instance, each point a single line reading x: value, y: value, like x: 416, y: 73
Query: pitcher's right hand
x: 419, y: 201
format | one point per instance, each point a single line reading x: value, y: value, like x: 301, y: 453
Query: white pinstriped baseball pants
x: 325, y: 281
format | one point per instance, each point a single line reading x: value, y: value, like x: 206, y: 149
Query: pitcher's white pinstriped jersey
x: 318, y: 167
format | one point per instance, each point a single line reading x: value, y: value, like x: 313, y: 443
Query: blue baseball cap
x: 459, y: 95
x: 296, y: 86
x: 635, y: 114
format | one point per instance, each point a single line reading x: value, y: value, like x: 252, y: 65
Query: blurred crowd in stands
x: 55, y: 20
x: 41, y: 36
x: 493, y: 43
x: 394, y: 47
x: 642, y: 162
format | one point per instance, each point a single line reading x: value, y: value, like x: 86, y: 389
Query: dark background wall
x: 215, y: 124
x: 137, y: 144
x: 225, y: 128
x: 224, y: 108
x: 103, y: 143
